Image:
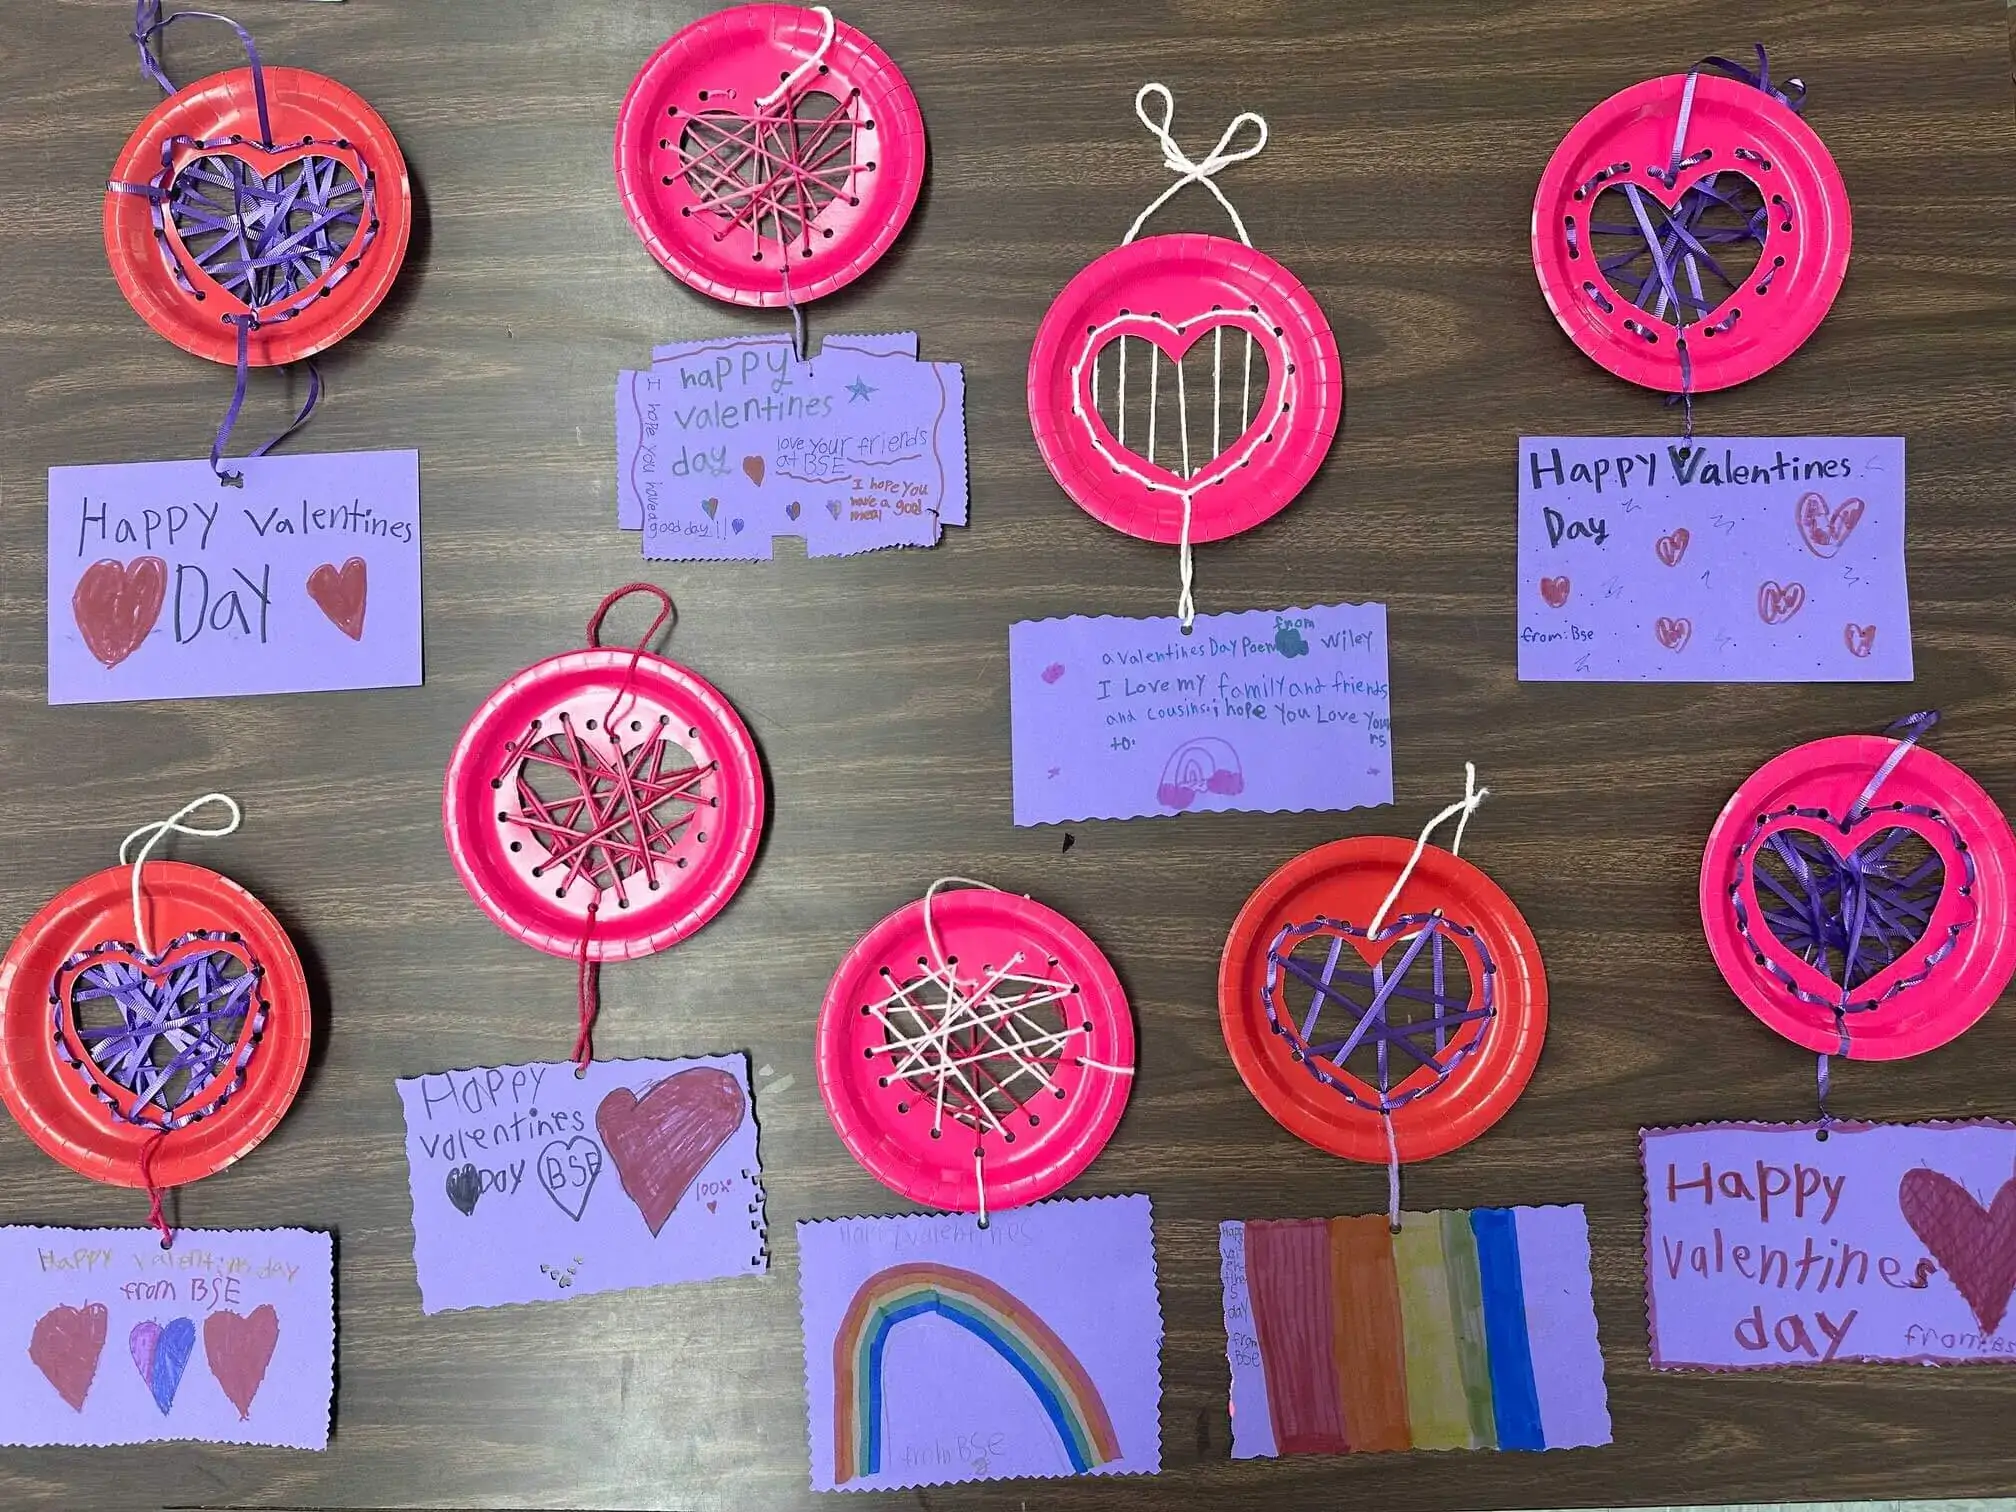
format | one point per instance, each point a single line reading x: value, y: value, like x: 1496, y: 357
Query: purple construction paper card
x: 530, y: 1183
x: 644, y: 466
x: 1771, y: 1245
x: 229, y: 1337
x: 1738, y: 559
x: 166, y: 583
x: 858, y: 449
x: 939, y: 1351
x: 1263, y: 710
x: 1484, y: 1318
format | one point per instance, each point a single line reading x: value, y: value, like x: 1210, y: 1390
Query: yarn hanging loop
x: 160, y: 830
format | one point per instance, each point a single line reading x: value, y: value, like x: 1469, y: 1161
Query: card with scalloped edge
x: 531, y: 1184
x: 229, y: 1337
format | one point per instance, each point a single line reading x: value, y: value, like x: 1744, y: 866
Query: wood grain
x: 1407, y: 137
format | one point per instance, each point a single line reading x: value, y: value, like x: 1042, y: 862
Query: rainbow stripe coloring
x: 984, y: 1310
x: 937, y: 1351
x: 1468, y: 1329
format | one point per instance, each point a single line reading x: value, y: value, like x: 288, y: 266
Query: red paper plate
x: 1734, y: 130
x: 542, y: 819
x: 1303, y: 931
x: 1238, y: 454
x: 1037, y: 1129
x: 1924, y: 990
x: 314, y: 120
x: 53, y: 1010
x: 762, y: 198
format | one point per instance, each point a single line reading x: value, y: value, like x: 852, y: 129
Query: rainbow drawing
x: 1468, y: 1329
x: 1060, y: 1384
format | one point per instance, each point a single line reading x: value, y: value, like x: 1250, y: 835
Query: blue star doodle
x: 859, y: 389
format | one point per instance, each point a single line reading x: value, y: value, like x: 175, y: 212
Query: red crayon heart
x: 1052, y: 672
x: 1673, y: 547
x: 1825, y: 530
x: 116, y: 604
x: 65, y: 1346
x: 1554, y: 590
x: 239, y: 1350
x: 753, y: 466
x: 340, y: 593
x: 1975, y: 1246
x: 1778, y: 602
x: 1860, y: 639
x: 1674, y: 633
x: 662, y: 1141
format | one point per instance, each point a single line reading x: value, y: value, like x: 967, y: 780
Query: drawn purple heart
x: 708, y: 506
x: 833, y: 508
x: 1052, y: 672
x: 738, y: 526
x: 161, y: 1354
x: 792, y: 509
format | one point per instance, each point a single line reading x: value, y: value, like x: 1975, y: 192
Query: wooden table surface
x: 1407, y: 137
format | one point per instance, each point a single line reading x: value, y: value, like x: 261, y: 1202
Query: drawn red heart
x: 1825, y: 530
x: 1052, y: 672
x: 1674, y: 633
x: 1860, y: 639
x: 1554, y: 590
x: 65, y: 1347
x: 1975, y: 1246
x: 340, y: 593
x: 116, y: 604
x: 1777, y: 603
x: 239, y: 1350
x: 1673, y: 547
x: 754, y: 467
x: 662, y: 1141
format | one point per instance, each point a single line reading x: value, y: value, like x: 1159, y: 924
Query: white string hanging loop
x: 817, y: 56
x: 160, y: 830
x: 1189, y: 170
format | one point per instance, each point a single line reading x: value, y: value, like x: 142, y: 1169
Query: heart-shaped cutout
x: 340, y: 592
x: 65, y: 1345
x: 1380, y: 1017
x: 1975, y: 1246
x: 662, y: 1141
x: 773, y: 173
x: 161, y: 1353
x: 1710, y: 235
x: 1180, y: 405
x: 116, y: 604
x: 1849, y: 915
x: 163, y: 1040
x: 239, y: 1349
x: 265, y: 227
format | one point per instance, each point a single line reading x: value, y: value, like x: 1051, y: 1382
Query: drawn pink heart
x: 1777, y: 603
x: 65, y: 1347
x: 239, y: 1350
x: 1172, y: 339
x: 1975, y: 1246
x: 1554, y: 590
x: 1826, y: 530
x: 116, y: 604
x: 1052, y: 672
x: 662, y: 1141
x: 1672, y: 547
x: 1674, y: 633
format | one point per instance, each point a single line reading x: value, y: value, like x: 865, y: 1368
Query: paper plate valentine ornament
x: 256, y: 217
x: 1384, y: 999
x: 1692, y: 231
x: 153, y: 1020
x: 769, y: 154
x: 604, y: 804
x: 1185, y: 388
x: 975, y: 1050
x: 1855, y: 892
